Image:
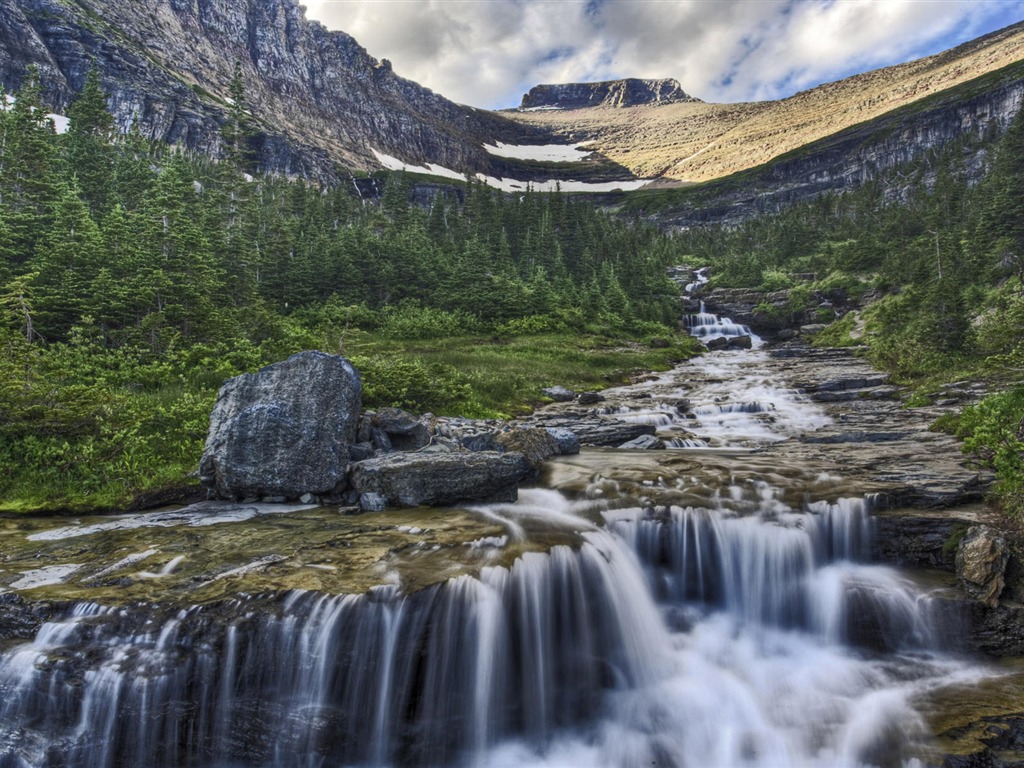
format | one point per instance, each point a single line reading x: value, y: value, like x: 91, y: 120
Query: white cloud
x: 489, y: 52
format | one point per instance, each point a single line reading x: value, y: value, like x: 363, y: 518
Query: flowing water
x: 700, y: 606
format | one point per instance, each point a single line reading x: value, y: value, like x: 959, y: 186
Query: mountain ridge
x: 318, y: 97
x: 701, y: 141
x: 626, y: 92
x: 326, y: 110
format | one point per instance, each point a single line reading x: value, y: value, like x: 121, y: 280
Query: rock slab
x: 283, y: 431
x: 438, y: 479
x: 981, y: 559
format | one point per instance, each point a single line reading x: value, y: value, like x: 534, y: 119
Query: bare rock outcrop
x: 981, y: 559
x: 436, y: 479
x: 629, y: 92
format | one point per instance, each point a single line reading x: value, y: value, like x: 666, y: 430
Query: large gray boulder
x: 283, y: 431
x: 439, y: 479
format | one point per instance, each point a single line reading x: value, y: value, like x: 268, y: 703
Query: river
x: 715, y: 603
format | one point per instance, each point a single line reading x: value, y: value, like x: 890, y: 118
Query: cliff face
x: 630, y: 92
x: 323, y: 105
x: 978, y: 111
x: 319, y: 99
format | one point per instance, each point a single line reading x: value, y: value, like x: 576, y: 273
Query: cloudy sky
x: 487, y: 53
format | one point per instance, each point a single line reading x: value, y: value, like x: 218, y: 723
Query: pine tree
x: 30, y: 173
x: 88, y: 140
x: 237, y: 133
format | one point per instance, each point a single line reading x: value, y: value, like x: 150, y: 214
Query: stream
x: 715, y: 603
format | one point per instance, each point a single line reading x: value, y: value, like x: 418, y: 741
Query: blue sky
x: 487, y: 53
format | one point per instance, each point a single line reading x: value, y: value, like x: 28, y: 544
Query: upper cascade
x: 630, y: 92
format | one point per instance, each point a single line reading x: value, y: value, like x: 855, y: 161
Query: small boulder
x: 741, y: 342
x: 404, y: 431
x: 717, y: 343
x: 559, y: 394
x: 283, y: 431
x: 441, y: 479
x: 981, y: 559
x: 533, y: 442
x: 644, y: 443
x: 590, y: 398
x: 372, y: 502
x: 565, y: 440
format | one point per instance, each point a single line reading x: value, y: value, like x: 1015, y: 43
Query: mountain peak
x: 629, y: 92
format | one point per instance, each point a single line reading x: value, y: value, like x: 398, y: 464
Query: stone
x: 372, y: 502
x: 598, y: 430
x: 981, y: 559
x: 307, y: 498
x: 590, y: 398
x: 566, y: 440
x: 360, y: 451
x: 414, y: 479
x: 404, y: 431
x: 645, y: 443
x: 535, y: 443
x: 559, y: 394
x: 741, y: 342
x: 628, y: 92
x: 717, y: 343
x: 283, y: 431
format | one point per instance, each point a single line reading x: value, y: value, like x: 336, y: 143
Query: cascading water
x: 709, y: 613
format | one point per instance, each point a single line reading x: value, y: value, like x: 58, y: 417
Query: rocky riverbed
x: 765, y: 495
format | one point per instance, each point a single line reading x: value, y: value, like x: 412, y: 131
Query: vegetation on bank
x: 134, y: 279
x: 943, y: 260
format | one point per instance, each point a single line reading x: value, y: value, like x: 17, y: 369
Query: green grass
x: 506, y: 375
x: 145, y: 443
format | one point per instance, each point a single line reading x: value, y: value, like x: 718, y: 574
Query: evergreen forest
x: 135, y: 279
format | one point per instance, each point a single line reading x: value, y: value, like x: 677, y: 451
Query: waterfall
x: 310, y: 679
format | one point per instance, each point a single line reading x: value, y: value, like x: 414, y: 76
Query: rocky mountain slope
x: 693, y: 141
x: 325, y: 108
x: 318, y: 97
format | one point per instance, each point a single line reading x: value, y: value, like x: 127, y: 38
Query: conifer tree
x: 239, y: 129
x: 88, y: 149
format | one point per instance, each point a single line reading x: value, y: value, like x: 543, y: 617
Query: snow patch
x: 60, y: 123
x: 550, y: 153
x: 511, y: 185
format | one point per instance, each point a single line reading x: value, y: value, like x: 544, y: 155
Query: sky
x: 488, y: 53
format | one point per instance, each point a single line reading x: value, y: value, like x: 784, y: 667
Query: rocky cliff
x: 318, y: 98
x: 973, y: 114
x: 324, y: 107
x: 630, y: 92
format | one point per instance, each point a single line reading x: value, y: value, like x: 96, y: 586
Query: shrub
x: 409, y: 320
x: 993, y: 432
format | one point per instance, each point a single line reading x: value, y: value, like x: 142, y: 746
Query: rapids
x: 706, y: 605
